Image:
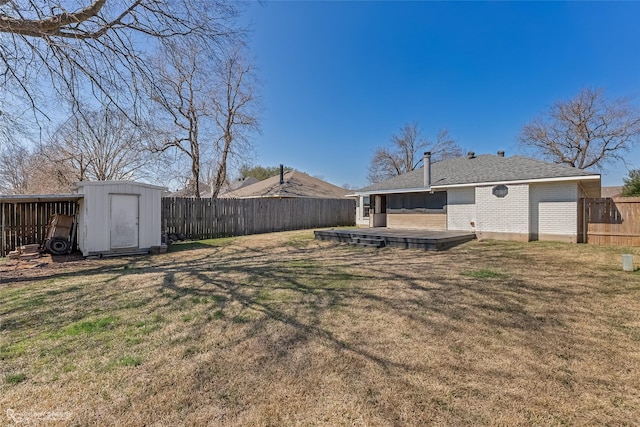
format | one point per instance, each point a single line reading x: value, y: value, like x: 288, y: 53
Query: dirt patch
x: 46, y: 264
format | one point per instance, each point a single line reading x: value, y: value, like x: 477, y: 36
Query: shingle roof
x: 296, y: 184
x: 230, y: 186
x: 480, y: 169
x: 205, y: 190
x: 611, y: 191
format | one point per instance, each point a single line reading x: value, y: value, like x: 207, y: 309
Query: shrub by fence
x: 207, y: 218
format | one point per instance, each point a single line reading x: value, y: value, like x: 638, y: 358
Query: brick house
x: 496, y: 197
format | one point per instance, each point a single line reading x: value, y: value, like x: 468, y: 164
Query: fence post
x: 4, y: 238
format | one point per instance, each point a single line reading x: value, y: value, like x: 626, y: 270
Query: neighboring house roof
x: 206, y: 190
x: 296, y: 184
x: 239, y: 183
x: 186, y: 192
x: 482, y: 169
x: 611, y: 191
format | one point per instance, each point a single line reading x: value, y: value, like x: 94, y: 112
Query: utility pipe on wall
x: 427, y: 169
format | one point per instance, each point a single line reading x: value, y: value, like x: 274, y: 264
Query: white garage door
x: 124, y: 221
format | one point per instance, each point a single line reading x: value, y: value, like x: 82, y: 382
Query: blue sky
x: 339, y: 78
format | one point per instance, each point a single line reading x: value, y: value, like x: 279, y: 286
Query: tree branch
x: 55, y: 23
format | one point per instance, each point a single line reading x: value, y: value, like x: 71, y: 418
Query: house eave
x: 521, y: 181
x: 480, y: 184
x: 396, y: 191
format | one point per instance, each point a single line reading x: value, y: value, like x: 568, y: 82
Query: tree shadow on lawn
x: 317, y: 286
x: 444, y: 305
x: 187, y: 246
x: 300, y: 291
x: 500, y: 303
x: 77, y: 262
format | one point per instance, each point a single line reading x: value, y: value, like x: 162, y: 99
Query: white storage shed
x: 118, y: 217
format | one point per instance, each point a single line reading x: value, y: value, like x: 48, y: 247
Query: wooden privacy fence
x: 610, y: 221
x: 25, y: 223
x: 207, y: 218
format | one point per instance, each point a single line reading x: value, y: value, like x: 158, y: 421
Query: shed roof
x: 296, y: 184
x: 30, y: 198
x: 482, y: 169
x: 81, y: 184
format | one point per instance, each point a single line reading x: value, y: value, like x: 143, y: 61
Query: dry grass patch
x: 280, y: 329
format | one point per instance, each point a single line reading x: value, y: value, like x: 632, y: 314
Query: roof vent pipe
x: 427, y: 169
x: 281, y: 174
x: 501, y: 153
x: 471, y: 155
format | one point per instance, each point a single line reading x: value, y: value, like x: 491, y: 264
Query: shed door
x: 124, y: 221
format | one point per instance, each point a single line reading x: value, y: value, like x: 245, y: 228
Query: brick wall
x: 554, y: 211
x: 461, y: 208
x: 503, y: 217
x: 528, y: 212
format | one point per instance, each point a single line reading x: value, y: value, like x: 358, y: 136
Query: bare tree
x: 182, y: 95
x: 11, y: 125
x: 235, y: 106
x: 587, y: 131
x: 405, y: 152
x: 16, y: 163
x: 98, y: 145
x: 97, y: 47
x: 27, y: 171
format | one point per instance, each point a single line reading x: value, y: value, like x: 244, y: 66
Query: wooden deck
x: 415, y: 239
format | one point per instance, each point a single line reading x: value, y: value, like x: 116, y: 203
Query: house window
x: 423, y: 202
x: 366, y: 204
x: 500, y: 191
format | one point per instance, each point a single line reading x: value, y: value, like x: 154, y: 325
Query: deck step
x: 371, y: 242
